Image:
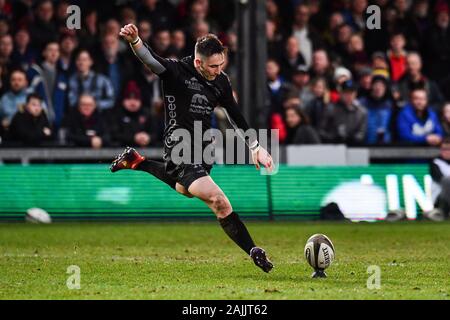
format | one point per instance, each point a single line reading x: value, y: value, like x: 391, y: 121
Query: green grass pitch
x: 198, y: 261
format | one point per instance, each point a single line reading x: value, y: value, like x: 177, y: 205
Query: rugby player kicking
x: 192, y: 88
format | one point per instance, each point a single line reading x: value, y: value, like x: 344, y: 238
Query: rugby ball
x: 37, y: 215
x: 319, y: 252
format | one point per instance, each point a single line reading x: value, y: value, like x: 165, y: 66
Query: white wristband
x: 135, y: 42
x: 254, y: 147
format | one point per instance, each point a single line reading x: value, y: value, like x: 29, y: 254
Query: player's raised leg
x: 131, y: 159
x: 209, y: 192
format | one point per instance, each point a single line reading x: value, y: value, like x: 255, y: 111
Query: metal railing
x: 26, y: 155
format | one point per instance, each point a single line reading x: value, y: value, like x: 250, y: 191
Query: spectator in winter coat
x: 347, y: 123
x: 290, y: 58
x: 86, y: 81
x: 131, y: 123
x: 43, y: 30
x: 50, y: 82
x: 13, y: 99
x: 299, y: 131
x: 278, y: 87
x: 85, y: 125
x: 318, y: 107
x: 417, y: 123
x: 23, y: 55
x: 116, y: 66
x: 300, y: 80
x: 414, y: 78
x: 379, y: 111
x: 321, y: 66
x: 30, y: 127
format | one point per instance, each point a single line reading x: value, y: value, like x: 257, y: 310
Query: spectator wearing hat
x: 379, y: 108
x: 130, y: 122
x: 380, y: 64
x: 85, y: 125
x: 396, y: 56
x: 437, y: 44
x: 30, y: 126
x: 417, y: 123
x: 299, y: 131
x: 347, y: 123
x: 290, y: 58
x: 300, y: 80
x: 341, y: 74
x: 414, y: 78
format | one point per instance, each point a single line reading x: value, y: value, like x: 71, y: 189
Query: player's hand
x: 129, y: 32
x: 261, y: 156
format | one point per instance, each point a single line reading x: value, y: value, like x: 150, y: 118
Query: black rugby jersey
x: 189, y: 97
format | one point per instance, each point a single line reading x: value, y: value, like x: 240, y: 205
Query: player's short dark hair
x: 33, y: 96
x: 209, y: 45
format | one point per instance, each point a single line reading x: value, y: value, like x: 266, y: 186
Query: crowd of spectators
x: 330, y: 79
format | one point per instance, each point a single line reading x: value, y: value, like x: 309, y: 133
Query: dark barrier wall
x: 92, y: 192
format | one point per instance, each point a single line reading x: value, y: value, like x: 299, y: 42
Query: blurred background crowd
x: 330, y: 79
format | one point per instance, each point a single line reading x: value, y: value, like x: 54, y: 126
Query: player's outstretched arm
x: 147, y: 56
x: 259, y: 154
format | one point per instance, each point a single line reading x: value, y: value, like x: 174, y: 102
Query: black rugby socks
x: 236, y: 230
